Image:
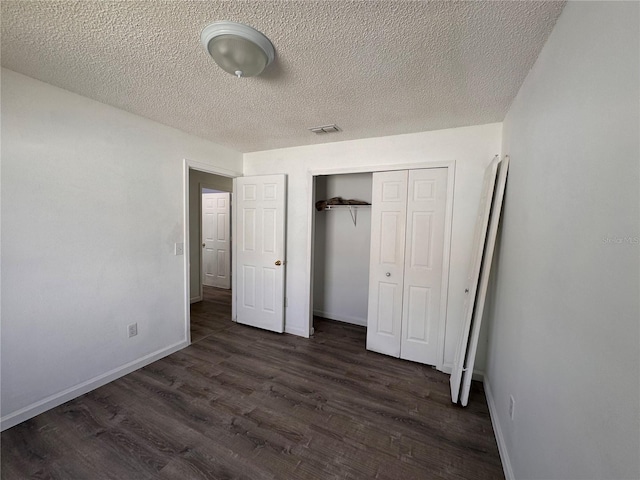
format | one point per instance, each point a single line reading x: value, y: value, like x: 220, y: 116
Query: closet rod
x: 352, y: 210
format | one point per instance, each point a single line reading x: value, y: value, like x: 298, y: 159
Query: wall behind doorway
x: 217, y: 182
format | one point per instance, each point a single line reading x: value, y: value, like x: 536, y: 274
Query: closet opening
x: 342, y: 239
x: 407, y: 314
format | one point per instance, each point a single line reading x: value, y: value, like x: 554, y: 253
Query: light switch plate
x: 179, y: 248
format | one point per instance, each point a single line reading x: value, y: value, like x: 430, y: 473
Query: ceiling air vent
x: 325, y: 129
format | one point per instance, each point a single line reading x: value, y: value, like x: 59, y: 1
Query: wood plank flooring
x: 242, y: 403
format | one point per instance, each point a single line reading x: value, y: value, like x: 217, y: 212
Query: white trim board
x: 381, y: 168
x: 57, y: 399
x: 502, y: 446
x: 450, y: 165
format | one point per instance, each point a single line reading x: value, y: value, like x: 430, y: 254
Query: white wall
x: 564, y: 338
x: 471, y: 147
x: 341, y: 250
x: 92, y: 204
x: 196, y: 179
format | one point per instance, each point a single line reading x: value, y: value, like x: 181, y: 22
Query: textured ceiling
x: 373, y: 68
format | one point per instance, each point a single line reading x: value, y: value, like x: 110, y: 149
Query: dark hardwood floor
x: 245, y: 403
x: 212, y: 314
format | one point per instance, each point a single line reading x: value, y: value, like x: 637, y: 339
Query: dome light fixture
x: 237, y: 48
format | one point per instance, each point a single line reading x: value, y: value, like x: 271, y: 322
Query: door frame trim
x: 206, y: 168
x: 450, y: 165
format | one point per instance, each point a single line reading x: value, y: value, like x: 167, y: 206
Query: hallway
x: 212, y: 314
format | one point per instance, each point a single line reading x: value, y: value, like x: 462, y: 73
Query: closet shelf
x: 352, y: 210
x: 338, y: 207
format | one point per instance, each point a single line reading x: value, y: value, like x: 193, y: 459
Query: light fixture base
x: 236, y: 47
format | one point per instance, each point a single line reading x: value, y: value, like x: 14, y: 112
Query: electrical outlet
x: 133, y: 330
x: 512, y: 405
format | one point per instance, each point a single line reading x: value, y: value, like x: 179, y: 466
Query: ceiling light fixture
x: 238, y: 49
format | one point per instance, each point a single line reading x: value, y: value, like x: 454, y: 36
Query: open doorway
x: 213, y: 311
x: 202, y: 302
x: 199, y: 181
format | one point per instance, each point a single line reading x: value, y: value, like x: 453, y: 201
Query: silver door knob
x: 388, y: 274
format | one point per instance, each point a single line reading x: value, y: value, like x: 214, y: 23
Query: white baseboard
x: 52, y: 401
x: 195, y: 299
x: 342, y: 318
x: 502, y: 446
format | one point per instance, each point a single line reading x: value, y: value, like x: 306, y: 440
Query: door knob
x: 388, y: 274
x: 278, y: 263
x: 203, y: 245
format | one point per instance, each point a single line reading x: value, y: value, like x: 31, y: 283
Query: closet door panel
x: 426, y: 204
x: 418, y: 302
x: 386, y: 269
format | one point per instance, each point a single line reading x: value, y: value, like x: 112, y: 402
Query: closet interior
x: 342, y: 238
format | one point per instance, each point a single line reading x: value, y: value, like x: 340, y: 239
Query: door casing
x: 202, y: 167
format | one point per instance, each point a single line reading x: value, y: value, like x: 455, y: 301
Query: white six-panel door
x: 424, y: 247
x: 405, y: 276
x: 259, y: 248
x: 216, y: 240
x: 386, y: 266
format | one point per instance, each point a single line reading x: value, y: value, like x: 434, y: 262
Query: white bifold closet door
x: 473, y: 276
x: 405, y: 276
x: 386, y: 264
